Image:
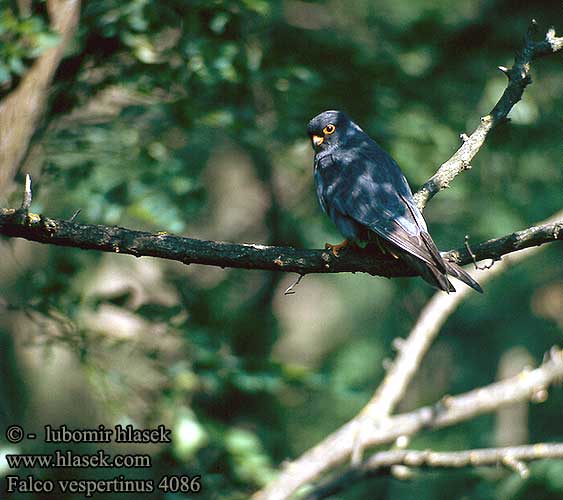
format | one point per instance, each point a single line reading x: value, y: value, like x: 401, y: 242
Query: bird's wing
x: 321, y: 188
x: 367, y: 185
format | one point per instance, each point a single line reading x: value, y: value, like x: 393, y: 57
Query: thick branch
x: 16, y: 223
x: 512, y: 457
x: 518, y: 79
x: 187, y: 250
x: 450, y: 410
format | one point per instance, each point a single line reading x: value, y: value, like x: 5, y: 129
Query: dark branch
x: 497, y: 247
x: 251, y: 256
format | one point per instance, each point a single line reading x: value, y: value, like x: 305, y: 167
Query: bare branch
x: 518, y: 79
x: 247, y: 256
x: 451, y: 410
x: 512, y: 457
x: 410, y: 355
x: 473, y: 256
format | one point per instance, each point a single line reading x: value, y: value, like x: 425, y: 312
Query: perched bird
x: 364, y: 192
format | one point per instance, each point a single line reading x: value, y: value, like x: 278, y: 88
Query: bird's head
x: 330, y: 128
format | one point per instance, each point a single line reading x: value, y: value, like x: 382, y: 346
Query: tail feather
x: 434, y: 275
x: 438, y: 278
x: 435, y: 269
x: 437, y: 273
x: 457, y: 272
x: 434, y: 252
x: 429, y: 272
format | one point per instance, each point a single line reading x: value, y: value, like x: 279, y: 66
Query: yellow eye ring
x: 329, y: 129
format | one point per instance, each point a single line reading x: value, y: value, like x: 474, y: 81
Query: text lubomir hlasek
x: 102, y: 434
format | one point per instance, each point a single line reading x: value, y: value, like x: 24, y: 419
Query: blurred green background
x: 189, y: 117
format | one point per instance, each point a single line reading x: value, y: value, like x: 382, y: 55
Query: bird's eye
x: 329, y: 129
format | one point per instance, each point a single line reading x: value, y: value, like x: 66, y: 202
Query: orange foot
x: 335, y: 249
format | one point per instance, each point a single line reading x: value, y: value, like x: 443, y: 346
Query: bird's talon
x: 335, y: 249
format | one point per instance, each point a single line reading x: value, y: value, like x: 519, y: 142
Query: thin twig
x: 474, y: 257
x: 75, y: 215
x: 27, y: 195
x: 290, y: 289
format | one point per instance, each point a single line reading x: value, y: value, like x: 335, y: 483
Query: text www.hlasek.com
x: 69, y: 459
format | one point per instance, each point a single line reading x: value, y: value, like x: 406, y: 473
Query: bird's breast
x: 324, y: 162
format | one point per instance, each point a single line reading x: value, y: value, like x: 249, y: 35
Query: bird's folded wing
x: 373, y: 192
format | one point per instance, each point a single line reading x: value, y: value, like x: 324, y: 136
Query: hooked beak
x: 318, y: 140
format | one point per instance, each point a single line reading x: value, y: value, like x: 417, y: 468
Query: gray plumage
x: 362, y: 189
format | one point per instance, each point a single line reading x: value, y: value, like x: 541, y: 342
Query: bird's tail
x: 442, y: 269
x: 457, y: 272
x: 437, y: 277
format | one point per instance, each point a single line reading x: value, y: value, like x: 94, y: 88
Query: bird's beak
x: 318, y: 140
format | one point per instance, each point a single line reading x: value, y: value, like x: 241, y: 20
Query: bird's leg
x: 380, y: 246
x: 385, y: 249
x: 335, y: 249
